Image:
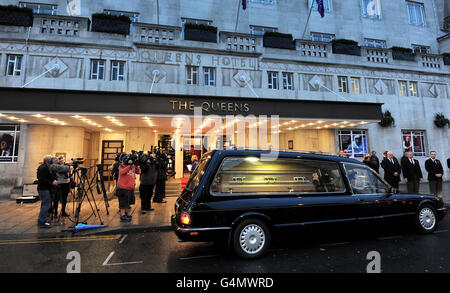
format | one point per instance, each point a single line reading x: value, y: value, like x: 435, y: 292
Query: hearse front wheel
x: 251, y: 238
x: 426, y: 219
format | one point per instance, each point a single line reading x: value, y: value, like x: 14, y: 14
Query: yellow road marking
x: 53, y: 240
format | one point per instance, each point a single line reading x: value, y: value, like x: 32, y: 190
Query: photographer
x: 45, y: 183
x: 160, y: 190
x: 61, y: 173
x: 125, y: 185
x: 149, y: 174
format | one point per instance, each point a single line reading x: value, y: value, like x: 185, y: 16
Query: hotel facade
x: 70, y: 89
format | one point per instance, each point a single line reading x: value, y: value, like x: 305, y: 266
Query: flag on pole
x: 320, y: 8
x: 244, y: 4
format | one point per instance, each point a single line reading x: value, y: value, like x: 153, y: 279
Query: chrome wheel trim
x: 427, y: 218
x: 252, y: 239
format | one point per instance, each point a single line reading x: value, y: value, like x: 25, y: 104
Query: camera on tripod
x: 76, y: 162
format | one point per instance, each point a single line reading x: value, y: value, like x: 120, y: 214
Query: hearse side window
x: 197, y: 175
x: 251, y: 175
x: 363, y: 180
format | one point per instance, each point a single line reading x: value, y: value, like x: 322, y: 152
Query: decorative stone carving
x: 156, y: 72
x: 242, y: 78
x: 56, y: 67
x: 381, y: 87
x: 316, y: 82
x: 435, y: 91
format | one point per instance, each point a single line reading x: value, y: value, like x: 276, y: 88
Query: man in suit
x: 435, y: 173
x: 412, y: 173
x: 392, y: 169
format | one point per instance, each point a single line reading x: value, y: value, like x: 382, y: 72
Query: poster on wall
x: 9, y: 143
x: 353, y: 143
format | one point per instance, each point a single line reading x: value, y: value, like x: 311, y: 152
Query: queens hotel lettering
x: 171, y: 57
x: 216, y: 107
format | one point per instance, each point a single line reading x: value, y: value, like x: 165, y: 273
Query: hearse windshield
x: 197, y: 175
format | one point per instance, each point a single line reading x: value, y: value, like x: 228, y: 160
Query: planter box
x: 403, y: 55
x: 346, y: 49
x: 194, y: 34
x: 278, y: 42
x: 16, y: 18
x: 447, y: 60
x: 112, y: 26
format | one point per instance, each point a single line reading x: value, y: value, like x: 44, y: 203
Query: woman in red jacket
x: 125, y: 186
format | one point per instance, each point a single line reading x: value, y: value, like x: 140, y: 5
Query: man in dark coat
x: 412, y: 173
x: 46, y: 181
x: 149, y: 175
x: 375, y: 162
x: 392, y: 169
x: 435, y: 173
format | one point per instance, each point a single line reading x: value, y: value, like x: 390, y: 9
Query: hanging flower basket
x: 400, y: 53
x: 387, y: 120
x: 17, y: 16
x: 346, y: 47
x: 278, y: 40
x: 440, y: 120
x: 113, y: 24
x: 200, y: 32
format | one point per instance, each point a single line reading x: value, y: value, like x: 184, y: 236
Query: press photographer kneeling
x: 126, y: 184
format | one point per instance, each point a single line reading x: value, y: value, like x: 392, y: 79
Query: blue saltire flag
x: 320, y: 8
x: 244, y: 4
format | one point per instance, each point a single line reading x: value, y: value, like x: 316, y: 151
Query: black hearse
x: 243, y: 197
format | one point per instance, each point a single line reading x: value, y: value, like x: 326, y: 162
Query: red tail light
x: 185, y: 219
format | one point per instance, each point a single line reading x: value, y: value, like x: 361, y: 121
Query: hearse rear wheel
x: 426, y: 219
x: 251, y: 238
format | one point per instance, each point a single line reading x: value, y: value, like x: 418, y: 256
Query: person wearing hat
x: 125, y: 186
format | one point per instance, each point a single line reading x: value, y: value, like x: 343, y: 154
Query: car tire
x: 251, y: 238
x: 426, y: 219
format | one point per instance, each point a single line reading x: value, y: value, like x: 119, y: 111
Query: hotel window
x: 421, y: 49
x: 97, y: 69
x: 9, y: 134
x: 414, y: 141
x: 288, y: 81
x: 402, y: 88
x: 14, y: 65
x: 191, y: 74
x: 117, y: 70
x: 342, y: 84
x: 260, y: 30
x: 320, y: 37
x: 327, y: 7
x: 353, y: 142
x: 209, y: 75
x: 375, y: 43
x: 413, y: 88
x: 272, y: 80
x: 415, y: 13
x: 40, y: 8
x: 355, y: 85
x: 371, y: 9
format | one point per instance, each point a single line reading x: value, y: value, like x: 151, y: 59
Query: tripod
x: 83, y: 192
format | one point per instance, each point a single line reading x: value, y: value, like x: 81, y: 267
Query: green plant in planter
x: 446, y: 58
x: 278, y: 40
x: 200, y: 32
x: 401, y: 53
x: 107, y: 23
x: 440, y: 120
x: 17, y: 16
x: 387, y: 120
x: 346, y: 47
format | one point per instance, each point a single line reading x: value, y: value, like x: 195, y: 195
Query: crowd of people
x: 409, y: 168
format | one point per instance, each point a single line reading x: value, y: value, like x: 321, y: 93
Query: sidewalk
x: 20, y: 220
